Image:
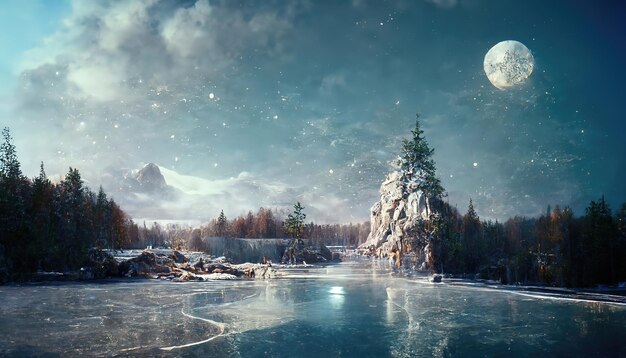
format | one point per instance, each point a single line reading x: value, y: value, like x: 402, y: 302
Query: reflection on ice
x: 351, y: 309
x: 262, y: 310
x: 336, y: 297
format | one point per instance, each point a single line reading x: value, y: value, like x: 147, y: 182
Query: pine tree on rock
x: 407, y: 222
x: 417, y: 164
x: 294, y: 225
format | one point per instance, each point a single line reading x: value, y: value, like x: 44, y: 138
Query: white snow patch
x: 218, y: 276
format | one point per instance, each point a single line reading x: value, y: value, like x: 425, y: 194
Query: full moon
x: 508, y: 64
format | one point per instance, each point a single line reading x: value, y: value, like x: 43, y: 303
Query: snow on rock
x: 259, y: 271
x: 218, y: 276
x: 397, y: 223
x: 175, y: 266
x: 150, y: 178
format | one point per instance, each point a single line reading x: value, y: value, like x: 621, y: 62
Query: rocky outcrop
x: 147, y: 264
x: 300, y: 251
x: 178, y: 257
x: 176, y: 267
x: 99, y: 265
x: 398, y: 224
x: 260, y: 271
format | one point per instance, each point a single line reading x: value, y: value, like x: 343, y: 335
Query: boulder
x: 221, y: 268
x: 147, y: 264
x: 219, y: 276
x: 260, y: 271
x: 186, y: 276
x: 178, y: 257
x: 178, y: 269
x: 436, y: 278
x: 100, y: 264
x: 198, y: 265
x: 300, y: 251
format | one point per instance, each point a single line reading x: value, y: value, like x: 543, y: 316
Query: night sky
x: 264, y: 103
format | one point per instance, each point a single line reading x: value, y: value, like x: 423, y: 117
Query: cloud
x: 189, y: 197
x: 444, y: 4
x: 332, y: 82
x: 253, y: 106
x: 129, y: 67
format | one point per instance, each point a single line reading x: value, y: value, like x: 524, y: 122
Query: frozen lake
x: 350, y: 309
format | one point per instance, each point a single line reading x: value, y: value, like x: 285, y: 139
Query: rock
x: 221, y: 268
x: 147, y: 264
x: 264, y: 272
x: 186, y: 276
x: 100, y: 264
x: 178, y: 257
x: 299, y: 251
x: 219, y: 276
x: 436, y: 278
x: 336, y: 256
x: 154, y: 265
x: 199, y: 265
x: 85, y: 274
x: 397, y: 231
x: 259, y: 271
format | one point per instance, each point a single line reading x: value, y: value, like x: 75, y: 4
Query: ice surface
x: 349, y: 309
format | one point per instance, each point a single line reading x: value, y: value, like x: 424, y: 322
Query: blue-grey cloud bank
x: 264, y: 103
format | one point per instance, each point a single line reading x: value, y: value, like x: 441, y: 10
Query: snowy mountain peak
x: 150, y: 177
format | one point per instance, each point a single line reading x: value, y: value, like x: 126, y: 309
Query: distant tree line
x: 265, y: 223
x: 51, y: 226
x: 557, y: 248
x: 48, y: 226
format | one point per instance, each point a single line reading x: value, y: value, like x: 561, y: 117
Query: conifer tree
x: 417, y: 164
x: 14, y: 192
x: 9, y: 165
x: 222, y: 224
x: 294, y: 225
x: 472, y: 245
x: 598, y: 243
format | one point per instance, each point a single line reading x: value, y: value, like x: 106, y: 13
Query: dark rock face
x: 99, y: 265
x: 220, y: 268
x: 300, y: 251
x: 178, y: 257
